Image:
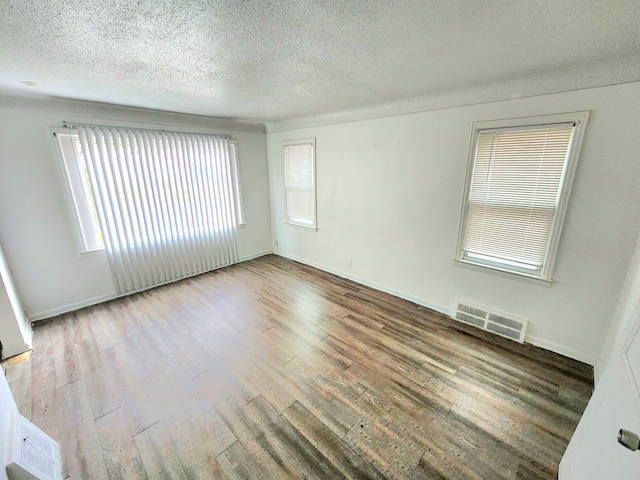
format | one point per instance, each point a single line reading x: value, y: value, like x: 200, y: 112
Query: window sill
x: 92, y: 253
x: 504, y: 273
x: 306, y: 227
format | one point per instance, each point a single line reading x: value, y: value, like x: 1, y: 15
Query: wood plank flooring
x: 272, y: 369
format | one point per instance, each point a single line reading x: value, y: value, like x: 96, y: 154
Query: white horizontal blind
x: 299, y: 180
x: 514, y: 192
x: 165, y: 202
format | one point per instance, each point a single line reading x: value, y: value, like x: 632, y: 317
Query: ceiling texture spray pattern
x: 275, y: 60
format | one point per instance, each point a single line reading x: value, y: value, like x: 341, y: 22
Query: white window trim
x: 71, y: 200
x: 69, y: 194
x: 545, y: 278
x: 302, y: 141
x: 237, y: 186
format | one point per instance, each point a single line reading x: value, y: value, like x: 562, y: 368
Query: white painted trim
x: 531, y: 339
x: 502, y: 273
x: 28, y: 338
x: 251, y: 256
x: 299, y: 225
x: 127, y: 116
x: 93, y: 253
x: 463, y: 97
x: 561, y: 349
x: 579, y: 120
x: 13, y: 350
x: 70, y: 307
x: 237, y: 184
x: 597, y: 375
x: 294, y: 143
x: 367, y: 283
x: 74, y: 198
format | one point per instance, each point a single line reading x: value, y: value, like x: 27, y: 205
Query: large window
x: 162, y: 205
x: 81, y: 198
x: 300, y: 182
x: 518, y: 183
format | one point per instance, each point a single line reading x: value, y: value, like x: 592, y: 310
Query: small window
x: 518, y: 183
x: 79, y: 192
x: 300, y: 182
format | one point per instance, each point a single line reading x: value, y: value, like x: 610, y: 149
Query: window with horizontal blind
x: 518, y: 181
x: 300, y: 182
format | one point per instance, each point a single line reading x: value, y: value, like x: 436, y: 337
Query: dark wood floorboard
x: 273, y: 369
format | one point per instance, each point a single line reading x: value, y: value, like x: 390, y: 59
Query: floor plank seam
x: 105, y: 414
x: 145, y: 428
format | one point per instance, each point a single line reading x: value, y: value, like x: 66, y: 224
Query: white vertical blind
x: 299, y: 181
x: 165, y: 202
x: 514, y: 192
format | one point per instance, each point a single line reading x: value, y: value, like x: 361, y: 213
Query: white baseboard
x: 70, y: 307
x: 561, y: 349
x: 13, y: 350
x: 597, y: 372
x: 368, y: 283
x: 255, y: 255
x: 532, y: 339
x: 28, y: 335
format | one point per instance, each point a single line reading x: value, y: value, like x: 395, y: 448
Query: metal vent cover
x: 502, y: 324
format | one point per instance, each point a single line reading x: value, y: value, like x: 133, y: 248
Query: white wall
x: 35, y: 222
x: 628, y: 304
x: 7, y: 407
x: 15, y: 330
x: 389, y: 197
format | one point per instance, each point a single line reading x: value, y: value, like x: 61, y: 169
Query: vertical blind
x: 165, y: 202
x: 513, y: 197
x: 299, y: 181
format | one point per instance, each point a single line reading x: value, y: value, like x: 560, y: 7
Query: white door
x: 594, y: 452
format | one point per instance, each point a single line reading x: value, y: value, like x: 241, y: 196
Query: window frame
x: 70, y: 180
x: 237, y: 184
x: 287, y: 219
x: 69, y: 177
x: 545, y: 277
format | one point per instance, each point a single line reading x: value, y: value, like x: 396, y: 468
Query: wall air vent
x: 501, y: 324
x: 31, y: 453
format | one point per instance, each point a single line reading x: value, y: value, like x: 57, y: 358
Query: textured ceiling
x: 280, y: 59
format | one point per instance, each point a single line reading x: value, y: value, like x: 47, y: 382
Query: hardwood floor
x: 272, y: 369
